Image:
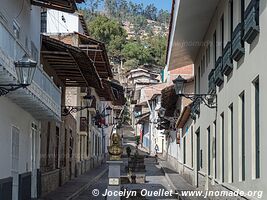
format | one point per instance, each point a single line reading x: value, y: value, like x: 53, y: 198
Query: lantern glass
x: 179, y: 84
x: 88, y: 99
x: 25, y: 69
x: 162, y: 112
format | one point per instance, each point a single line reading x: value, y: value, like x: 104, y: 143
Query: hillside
x: 134, y: 34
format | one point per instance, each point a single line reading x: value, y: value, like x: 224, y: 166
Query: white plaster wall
x: 245, y: 71
x: 55, y: 24
x: 28, y: 19
x: 13, y: 115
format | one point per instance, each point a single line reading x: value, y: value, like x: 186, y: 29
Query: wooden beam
x: 55, y: 53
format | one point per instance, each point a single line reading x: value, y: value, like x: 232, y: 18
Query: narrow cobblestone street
x: 158, y: 177
x: 155, y: 177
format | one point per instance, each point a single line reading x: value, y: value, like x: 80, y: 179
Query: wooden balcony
x: 227, y: 60
x: 238, y: 49
x: 42, y: 98
x: 218, y: 75
x: 251, y: 22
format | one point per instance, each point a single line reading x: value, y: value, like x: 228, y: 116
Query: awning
x: 184, y: 116
x: 94, y: 49
x: 71, y: 64
x: 62, y: 5
x: 169, y: 100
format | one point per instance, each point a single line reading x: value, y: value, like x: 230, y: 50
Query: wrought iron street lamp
x: 162, y: 112
x: 87, y: 99
x: 25, y: 69
x: 207, y: 99
x: 99, y: 118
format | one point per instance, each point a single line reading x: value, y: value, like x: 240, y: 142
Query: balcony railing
x: 251, y: 22
x: 237, y: 43
x: 212, y: 86
x: 227, y: 60
x: 43, y: 88
x: 218, y: 74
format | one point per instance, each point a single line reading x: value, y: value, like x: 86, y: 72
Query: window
x: 257, y: 128
x: 66, y: 145
x: 242, y: 132
x: 71, y: 145
x: 207, y: 55
x: 208, y: 130
x: 81, y: 139
x: 195, y: 83
x: 222, y: 33
x: 231, y: 142
x: 222, y: 145
x: 242, y: 8
x: 57, y: 148
x: 198, y: 79
x: 83, y: 124
x: 231, y: 18
x: 215, y: 149
x: 48, y: 142
x: 44, y: 22
x: 214, y: 47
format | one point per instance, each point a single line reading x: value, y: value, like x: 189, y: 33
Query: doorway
x: 34, y: 151
x: 15, y: 162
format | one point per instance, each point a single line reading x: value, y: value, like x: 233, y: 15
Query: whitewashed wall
x: 13, y: 115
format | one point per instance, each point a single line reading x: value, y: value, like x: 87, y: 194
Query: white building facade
x: 22, y: 110
x: 228, y: 54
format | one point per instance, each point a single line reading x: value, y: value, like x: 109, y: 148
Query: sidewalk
x: 74, y: 187
x: 177, y: 182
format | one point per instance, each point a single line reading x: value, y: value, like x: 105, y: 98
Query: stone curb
x: 169, y: 181
x: 85, y: 187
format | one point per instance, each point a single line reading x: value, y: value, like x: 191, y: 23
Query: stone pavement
x: 177, y: 182
x: 72, y: 188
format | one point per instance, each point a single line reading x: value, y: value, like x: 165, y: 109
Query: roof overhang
x: 191, y: 19
x: 184, y: 116
x: 71, y: 64
x: 97, y: 52
x: 62, y: 5
x: 169, y: 100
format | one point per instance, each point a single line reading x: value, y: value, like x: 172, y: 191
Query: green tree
x: 158, y: 46
x: 163, y: 16
x: 110, y: 32
x: 130, y: 64
x: 139, y: 22
x: 135, y: 50
x: 151, y: 12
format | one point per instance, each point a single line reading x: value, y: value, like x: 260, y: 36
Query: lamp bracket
x: 6, y: 88
x: 210, y: 100
x: 72, y: 109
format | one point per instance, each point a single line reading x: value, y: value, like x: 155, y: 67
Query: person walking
x: 156, y: 152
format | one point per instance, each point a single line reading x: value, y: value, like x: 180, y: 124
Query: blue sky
x: 164, y: 4
x: 160, y: 4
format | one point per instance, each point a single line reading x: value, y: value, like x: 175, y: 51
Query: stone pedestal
x: 114, y: 178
